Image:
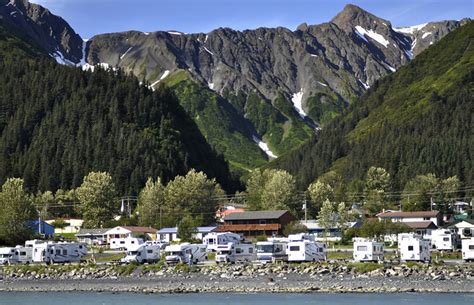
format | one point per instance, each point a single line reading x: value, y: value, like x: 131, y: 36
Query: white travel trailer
x: 22, y: 255
x: 125, y: 243
x: 158, y: 243
x: 213, y: 240
x: 6, y: 255
x: 367, y: 250
x: 51, y: 252
x: 271, y: 251
x: 413, y: 247
x: 143, y: 254
x: 306, y: 251
x: 467, y: 248
x: 232, y: 253
x: 182, y: 253
x: 301, y: 237
x: 443, y: 240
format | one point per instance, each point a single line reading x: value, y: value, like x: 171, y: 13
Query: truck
x: 366, y: 250
x: 271, y: 251
x: 6, y: 255
x: 306, y: 251
x: 182, y: 253
x: 467, y: 249
x: 144, y: 253
x: 413, y: 247
x: 125, y: 243
x: 232, y: 253
x: 213, y: 240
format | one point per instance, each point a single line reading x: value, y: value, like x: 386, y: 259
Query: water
x: 72, y: 298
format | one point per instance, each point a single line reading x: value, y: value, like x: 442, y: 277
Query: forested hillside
x: 418, y: 120
x: 58, y: 123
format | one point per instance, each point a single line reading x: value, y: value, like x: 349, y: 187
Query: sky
x: 92, y: 17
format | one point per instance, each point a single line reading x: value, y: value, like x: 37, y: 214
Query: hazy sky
x: 91, y: 17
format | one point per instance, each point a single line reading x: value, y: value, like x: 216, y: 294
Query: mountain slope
x: 418, y: 120
x: 65, y: 122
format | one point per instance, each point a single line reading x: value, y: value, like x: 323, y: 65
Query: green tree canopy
x: 377, y: 183
x: 151, y: 202
x: 97, y: 199
x: 319, y: 192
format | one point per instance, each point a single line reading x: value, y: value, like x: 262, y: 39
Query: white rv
x: 413, y: 247
x: 213, y: 240
x: 158, y: 243
x: 6, y: 255
x: 367, y: 250
x: 143, y: 254
x: 306, y: 251
x: 271, y: 251
x: 300, y: 237
x: 51, y: 252
x: 182, y: 253
x: 467, y: 248
x: 125, y: 243
x: 443, y: 240
x: 22, y: 255
x: 232, y: 253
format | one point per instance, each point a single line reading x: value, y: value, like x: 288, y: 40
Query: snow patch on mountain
x: 211, y: 86
x: 207, y: 50
x: 411, y: 29
x: 322, y: 84
x: 426, y: 35
x: 60, y: 59
x: 377, y: 37
x: 125, y: 54
x: 163, y: 76
x: 175, y: 33
x: 297, y: 100
x: 264, y: 146
x: 366, y: 86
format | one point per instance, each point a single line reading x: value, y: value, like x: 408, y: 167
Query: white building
x: 407, y: 217
x: 334, y: 234
x: 168, y: 235
x: 465, y: 228
x: 73, y: 225
x: 127, y: 231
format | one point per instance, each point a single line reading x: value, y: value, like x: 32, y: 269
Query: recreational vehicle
x: 51, y: 252
x: 413, y: 247
x: 300, y: 237
x: 213, y: 240
x: 143, y: 254
x: 443, y: 240
x: 270, y: 251
x: 232, y: 253
x: 467, y: 246
x: 306, y: 251
x: 125, y: 243
x: 182, y: 253
x: 6, y: 255
x: 158, y: 243
x: 22, y: 255
x: 367, y: 250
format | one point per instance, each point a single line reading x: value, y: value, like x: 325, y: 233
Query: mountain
x: 254, y: 94
x: 58, y: 123
x: 418, y: 120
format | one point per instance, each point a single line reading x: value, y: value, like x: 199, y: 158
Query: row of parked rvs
x: 39, y: 251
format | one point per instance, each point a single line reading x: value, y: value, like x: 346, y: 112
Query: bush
x: 261, y: 238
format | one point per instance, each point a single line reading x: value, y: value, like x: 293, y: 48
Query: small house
x: 92, y: 236
x: 73, y: 225
x: 168, y: 235
x: 417, y: 216
x: 41, y: 228
x: 128, y: 231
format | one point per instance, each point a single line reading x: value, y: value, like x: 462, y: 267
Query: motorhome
x: 144, y: 253
x: 182, y: 253
x: 306, y: 251
x: 158, y: 243
x: 22, y: 255
x: 467, y: 248
x: 51, y: 252
x: 367, y: 250
x: 300, y: 237
x: 271, y: 251
x: 6, y: 255
x: 213, y: 240
x: 443, y: 240
x: 232, y: 253
x: 125, y: 243
x: 413, y: 247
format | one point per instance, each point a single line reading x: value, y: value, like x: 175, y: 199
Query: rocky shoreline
x: 281, y: 278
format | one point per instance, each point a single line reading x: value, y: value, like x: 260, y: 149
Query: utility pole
x: 305, y: 211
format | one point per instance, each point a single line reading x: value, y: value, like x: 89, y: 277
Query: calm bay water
x: 55, y: 298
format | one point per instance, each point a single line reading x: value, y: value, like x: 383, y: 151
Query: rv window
x: 294, y: 248
x: 58, y: 252
x: 238, y: 250
x: 122, y: 242
x: 361, y: 248
x: 22, y: 253
x: 149, y: 251
x: 471, y: 247
x: 203, y: 250
x: 133, y: 241
x: 250, y: 250
x: 64, y: 252
x: 446, y: 239
x: 410, y: 248
x: 51, y: 251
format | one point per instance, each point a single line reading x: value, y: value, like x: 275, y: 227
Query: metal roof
x: 174, y: 230
x: 408, y: 214
x: 92, y: 231
x: 420, y: 224
x: 253, y: 215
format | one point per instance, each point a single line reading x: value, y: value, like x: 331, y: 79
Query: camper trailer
x: 143, y: 254
x: 443, y: 240
x: 51, y: 252
x: 22, y: 255
x: 125, y: 243
x: 306, y: 251
x: 158, y: 243
x: 6, y: 255
x: 300, y: 237
x: 232, y: 253
x: 183, y: 252
x: 413, y: 247
x: 467, y: 248
x: 271, y: 251
x: 213, y: 240
x: 367, y: 250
